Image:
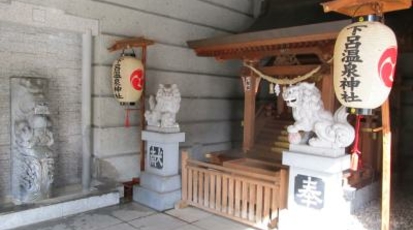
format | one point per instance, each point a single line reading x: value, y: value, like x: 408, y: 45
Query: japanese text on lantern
x: 351, y: 58
x: 116, y: 86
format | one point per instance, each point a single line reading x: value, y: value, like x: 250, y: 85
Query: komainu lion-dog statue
x: 311, y: 118
x: 162, y: 114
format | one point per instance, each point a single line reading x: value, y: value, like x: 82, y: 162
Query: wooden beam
x: 253, y: 46
x: 262, y: 51
x: 327, y: 92
x: 291, y: 35
x: 355, y: 8
x: 287, y: 70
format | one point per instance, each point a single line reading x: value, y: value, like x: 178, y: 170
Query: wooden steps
x: 270, y: 140
x: 281, y: 144
x: 282, y: 138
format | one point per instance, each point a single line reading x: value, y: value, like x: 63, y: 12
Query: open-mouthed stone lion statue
x: 162, y: 114
x: 310, y: 116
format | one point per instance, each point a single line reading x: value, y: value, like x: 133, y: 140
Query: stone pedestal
x: 315, y: 192
x: 160, y: 186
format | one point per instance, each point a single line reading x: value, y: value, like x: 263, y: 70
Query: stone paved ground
x: 132, y: 216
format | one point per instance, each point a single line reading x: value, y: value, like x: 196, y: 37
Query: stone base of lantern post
x: 160, y: 186
x: 315, y: 194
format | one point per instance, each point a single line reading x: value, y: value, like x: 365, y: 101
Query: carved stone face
x: 23, y: 131
x: 291, y: 96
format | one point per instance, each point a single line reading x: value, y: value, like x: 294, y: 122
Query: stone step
x: 77, y: 202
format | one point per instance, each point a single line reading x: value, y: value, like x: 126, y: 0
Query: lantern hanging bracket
x: 131, y: 43
x: 378, y: 9
x: 133, y: 54
x: 374, y: 8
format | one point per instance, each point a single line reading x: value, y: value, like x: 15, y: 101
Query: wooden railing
x: 248, y: 197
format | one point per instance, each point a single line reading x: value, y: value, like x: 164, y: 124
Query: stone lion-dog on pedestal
x: 162, y: 114
x: 311, y: 118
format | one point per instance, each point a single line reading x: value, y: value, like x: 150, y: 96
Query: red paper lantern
x: 127, y: 79
x: 365, y: 57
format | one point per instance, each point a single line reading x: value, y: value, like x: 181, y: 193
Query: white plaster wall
x: 211, y: 91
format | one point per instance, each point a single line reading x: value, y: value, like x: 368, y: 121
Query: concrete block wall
x: 55, y: 55
x: 212, y: 103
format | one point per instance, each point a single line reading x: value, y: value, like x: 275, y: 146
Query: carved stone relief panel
x: 33, y: 158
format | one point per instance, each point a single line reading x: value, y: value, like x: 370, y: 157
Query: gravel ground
x: 401, y: 212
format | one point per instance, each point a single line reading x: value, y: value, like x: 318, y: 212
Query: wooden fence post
x: 184, y: 180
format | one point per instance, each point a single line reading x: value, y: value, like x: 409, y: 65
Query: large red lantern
x: 127, y: 79
x: 365, y: 57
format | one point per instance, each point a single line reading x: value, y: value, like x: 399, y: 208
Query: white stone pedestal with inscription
x: 160, y: 183
x: 315, y: 193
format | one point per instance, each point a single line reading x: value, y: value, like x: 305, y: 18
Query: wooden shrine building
x: 304, y: 48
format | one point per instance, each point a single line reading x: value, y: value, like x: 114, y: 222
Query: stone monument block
x: 162, y: 150
x: 160, y: 183
x: 156, y: 200
x: 160, y: 186
x: 315, y: 191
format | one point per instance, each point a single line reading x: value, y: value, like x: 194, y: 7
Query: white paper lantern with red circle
x: 127, y: 79
x: 365, y: 57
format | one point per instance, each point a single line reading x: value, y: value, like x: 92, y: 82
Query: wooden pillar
x: 327, y: 92
x: 367, y: 143
x: 142, y: 123
x: 250, y: 82
x: 280, y: 103
x: 386, y: 174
